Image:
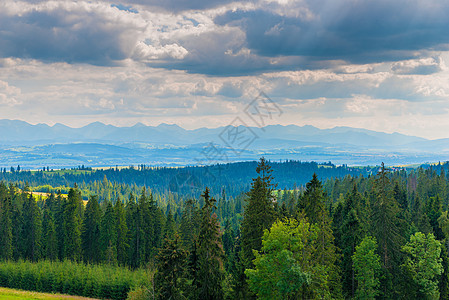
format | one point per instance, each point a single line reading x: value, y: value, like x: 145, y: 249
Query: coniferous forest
x: 383, y: 235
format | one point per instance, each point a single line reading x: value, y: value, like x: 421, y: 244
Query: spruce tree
x: 32, y: 228
x: 259, y: 212
x: 210, y: 272
x: 108, y: 235
x: 172, y: 261
x: 386, y: 227
x: 136, y: 252
x: 6, y: 225
x: 122, y: 232
x: 312, y: 206
x: 72, y: 225
x: 90, y: 235
x: 50, y: 239
x: 169, y: 228
x: 352, y: 232
x: 190, y: 221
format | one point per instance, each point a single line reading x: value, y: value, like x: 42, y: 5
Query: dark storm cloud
x: 61, y: 35
x: 355, y: 31
x: 262, y: 37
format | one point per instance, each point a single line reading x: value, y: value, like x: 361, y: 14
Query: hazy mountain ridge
x: 98, y: 144
x: 20, y: 131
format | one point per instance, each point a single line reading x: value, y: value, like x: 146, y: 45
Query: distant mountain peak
x: 139, y: 125
x: 165, y: 125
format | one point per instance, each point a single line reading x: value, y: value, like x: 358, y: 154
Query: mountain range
x: 101, y: 144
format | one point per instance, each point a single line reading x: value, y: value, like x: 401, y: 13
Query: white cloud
x: 144, y: 52
x: 423, y: 66
x: 8, y: 94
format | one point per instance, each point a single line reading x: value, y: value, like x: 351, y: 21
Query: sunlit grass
x: 12, y: 294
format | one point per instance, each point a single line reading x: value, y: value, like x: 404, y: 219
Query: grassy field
x: 11, y: 294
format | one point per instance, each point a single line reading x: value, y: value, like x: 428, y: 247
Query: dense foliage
x: 106, y: 282
x: 111, y: 183
x: 381, y: 236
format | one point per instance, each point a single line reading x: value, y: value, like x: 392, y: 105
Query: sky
x: 376, y: 64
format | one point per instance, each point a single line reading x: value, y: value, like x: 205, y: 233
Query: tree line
x: 189, y: 180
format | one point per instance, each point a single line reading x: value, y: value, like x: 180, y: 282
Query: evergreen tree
x: 50, y: 240
x: 17, y: 233
x: 72, y: 225
x: 169, y: 228
x: 259, y: 212
x: 434, y: 210
x: 172, y: 259
x: 313, y: 207
x: 136, y: 256
x: 228, y: 240
x: 6, y: 225
x: 386, y: 228
x: 190, y: 221
x: 90, y: 235
x: 108, y: 235
x: 312, y: 202
x: 32, y: 228
x: 210, y: 272
x: 122, y: 232
x: 352, y: 232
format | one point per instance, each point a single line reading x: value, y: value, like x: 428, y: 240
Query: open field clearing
x: 11, y: 294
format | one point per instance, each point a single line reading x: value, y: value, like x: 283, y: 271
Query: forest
x: 383, y: 235
x: 191, y: 180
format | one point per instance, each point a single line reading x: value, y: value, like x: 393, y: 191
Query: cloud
x: 226, y: 38
x: 144, y: 52
x: 355, y: 31
x: 424, y: 66
x: 8, y: 94
x: 64, y: 31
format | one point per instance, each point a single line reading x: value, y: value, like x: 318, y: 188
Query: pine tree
x: 228, y: 240
x: 169, y: 228
x: 108, y: 235
x: 352, y: 232
x: 50, y: 240
x: 172, y: 259
x: 32, y: 228
x: 312, y: 202
x: 210, y: 272
x: 90, y: 235
x: 136, y: 254
x: 312, y: 205
x: 72, y: 225
x: 190, y: 221
x: 386, y: 227
x: 17, y: 233
x: 259, y: 212
x: 122, y: 232
x: 61, y: 203
x: 6, y: 225
x: 434, y: 210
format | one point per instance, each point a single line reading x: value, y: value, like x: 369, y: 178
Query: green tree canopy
x: 367, y: 266
x: 423, y: 263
